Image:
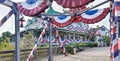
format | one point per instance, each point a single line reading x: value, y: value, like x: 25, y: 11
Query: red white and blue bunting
x: 32, y: 7
x: 64, y: 41
x: 53, y: 41
x: 70, y: 41
x: 6, y: 18
x: 115, y: 54
x: 77, y: 41
x: 117, y: 10
x: 30, y: 58
x: 58, y: 38
x: 73, y: 3
x: 92, y: 16
x: 62, y: 21
x: 7, y: 3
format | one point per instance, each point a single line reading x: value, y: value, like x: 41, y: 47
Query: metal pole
x: 17, y: 33
x: 77, y: 13
x: 92, y: 7
x: 50, y: 40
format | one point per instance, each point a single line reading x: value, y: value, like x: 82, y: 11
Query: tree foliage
x: 5, y: 41
x: 106, y: 39
x: 6, y: 46
x: 27, y: 41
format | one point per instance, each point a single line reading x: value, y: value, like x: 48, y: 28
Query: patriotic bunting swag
x: 73, y: 3
x: 62, y: 21
x: 89, y: 17
x: 59, y: 40
x: 32, y: 7
x: 114, y: 24
x: 92, y: 16
x: 7, y: 3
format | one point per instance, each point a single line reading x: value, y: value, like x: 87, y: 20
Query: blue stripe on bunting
x: 1, y: 1
x: 117, y: 3
x: 5, y: 18
x: 62, y: 17
x: 114, y: 36
x: 116, y: 53
x: 91, y: 12
x: 31, y: 1
x: 117, y: 18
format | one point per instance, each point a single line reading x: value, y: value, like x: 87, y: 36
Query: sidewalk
x: 90, y: 54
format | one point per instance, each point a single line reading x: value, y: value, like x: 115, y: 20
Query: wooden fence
x: 40, y: 53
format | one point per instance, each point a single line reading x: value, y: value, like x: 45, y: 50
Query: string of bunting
x: 63, y: 41
x: 6, y: 18
x: 59, y: 40
x: 114, y: 30
x: 30, y: 58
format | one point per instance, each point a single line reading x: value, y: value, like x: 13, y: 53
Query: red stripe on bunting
x: 113, y: 30
x: 32, y: 12
x: 115, y: 47
x: 117, y: 8
x: 94, y: 20
x: 73, y: 3
x: 63, y: 24
x: 119, y: 44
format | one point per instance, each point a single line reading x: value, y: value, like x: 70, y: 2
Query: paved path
x: 90, y: 54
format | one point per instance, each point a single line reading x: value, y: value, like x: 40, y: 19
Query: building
x: 99, y: 34
x: 76, y: 32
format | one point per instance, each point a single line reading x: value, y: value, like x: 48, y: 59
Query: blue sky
x: 9, y: 24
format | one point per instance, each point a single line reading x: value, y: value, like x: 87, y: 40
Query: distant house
x: 102, y: 30
x: 99, y: 32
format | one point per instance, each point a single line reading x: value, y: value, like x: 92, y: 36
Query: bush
x: 85, y: 44
x: 93, y: 44
x: 6, y: 46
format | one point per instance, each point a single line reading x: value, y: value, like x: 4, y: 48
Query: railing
x: 40, y: 53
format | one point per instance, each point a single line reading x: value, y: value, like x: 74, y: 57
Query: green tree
x: 27, y: 41
x: 7, y: 35
x: 1, y: 39
x: 5, y: 41
x: 6, y: 46
x: 106, y: 39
